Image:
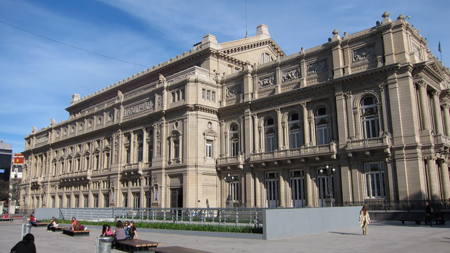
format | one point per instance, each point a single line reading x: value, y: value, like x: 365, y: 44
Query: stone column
x: 282, y: 186
x: 309, y: 183
x: 350, y: 116
x: 357, y: 121
x: 446, y: 118
x: 144, y: 145
x: 258, y: 189
x: 437, y: 112
x: 432, y: 179
x: 255, y: 130
x: 390, y: 191
x: 306, y: 125
x: 443, y: 167
x: 384, y: 109
x: 423, y: 98
x: 132, y: 140
x: 279, y: 130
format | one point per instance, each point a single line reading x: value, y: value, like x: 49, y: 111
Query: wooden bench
x: 136, y: 245
x: 41, y: 224
x: 54, y: 229
x: 6, y: 219
x: 75, y: 233
x: 176, y: 249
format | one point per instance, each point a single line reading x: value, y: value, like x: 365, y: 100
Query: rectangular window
x: 125, y: 200
x: 128, y: 155
x: 105, y: 199
x: 294, y: 138
x: 322, y: 134
x: 234, y: 147
x: 374, y: 180
x: 370, y: 126
x: 77, y: 201
x: 270, y: 142
x: 97, y: 162
x: 203, y: 93
x: 173, y: 97
x: 208, y: 94
x: 86, y: 200
x: 136, y: 200
x: 235, y: 188
x: 87, y: 164
x: 182, y: 94
x: 176, y: 149
x: 148, y: 197
x: 107, y: 160
x: 209, y: 148
x: 95, y: 200
x: 213, y: 96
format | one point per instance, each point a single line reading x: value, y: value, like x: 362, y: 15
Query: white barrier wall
x: 282, y: 223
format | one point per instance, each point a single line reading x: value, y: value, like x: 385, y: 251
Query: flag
x: 439, y: 47
x: 18, y: 159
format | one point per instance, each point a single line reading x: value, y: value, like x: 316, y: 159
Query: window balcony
x: 382, y: 142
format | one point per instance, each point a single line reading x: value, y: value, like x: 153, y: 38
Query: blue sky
x: 41, y: 64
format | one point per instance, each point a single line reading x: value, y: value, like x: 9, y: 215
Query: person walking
x: 364, y: 219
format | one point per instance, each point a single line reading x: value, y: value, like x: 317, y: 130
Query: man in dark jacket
x: 25, y: 246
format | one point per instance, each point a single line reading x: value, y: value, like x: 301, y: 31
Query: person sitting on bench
x: 53, y: 223
x: 78, y: 227
x: 132, y: 232
x: 106, y: 231
x: 33, y: 221
x: 119, y: 232
x: 74, y: 222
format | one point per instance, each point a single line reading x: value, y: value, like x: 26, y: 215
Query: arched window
x: 269, y: 135
x: 369, y: 117
x: 322, y: 122
x: 264, y: 58
x: 295, y: 136
x: 234, y: 140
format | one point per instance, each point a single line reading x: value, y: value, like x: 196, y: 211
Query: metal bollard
x: 104, y: 244
x: 26, y: 229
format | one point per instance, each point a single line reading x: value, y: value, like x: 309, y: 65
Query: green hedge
x: 181, y: 226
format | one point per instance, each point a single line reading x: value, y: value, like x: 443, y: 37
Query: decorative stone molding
x: 138, y: 108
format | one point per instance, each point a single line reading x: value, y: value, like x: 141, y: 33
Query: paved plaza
x: 382, y: 237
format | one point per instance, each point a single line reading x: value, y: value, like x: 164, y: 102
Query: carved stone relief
x: 290, y: 75
x: 363, y: 53
x: 232, y: 91
x: 263, y: 82
x: 317, y: 67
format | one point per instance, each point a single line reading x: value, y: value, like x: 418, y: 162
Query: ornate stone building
x: 362, y: 117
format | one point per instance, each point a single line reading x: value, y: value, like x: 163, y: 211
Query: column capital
x: 436, y: 93
x: 421, y: 84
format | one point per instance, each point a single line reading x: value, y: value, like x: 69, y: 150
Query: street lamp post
x: 330, y: 198
x: 229, y: 202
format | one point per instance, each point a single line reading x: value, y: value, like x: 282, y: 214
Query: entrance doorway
x: 297, y: 183
x: 271, y: 189
x: 176, y: 197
